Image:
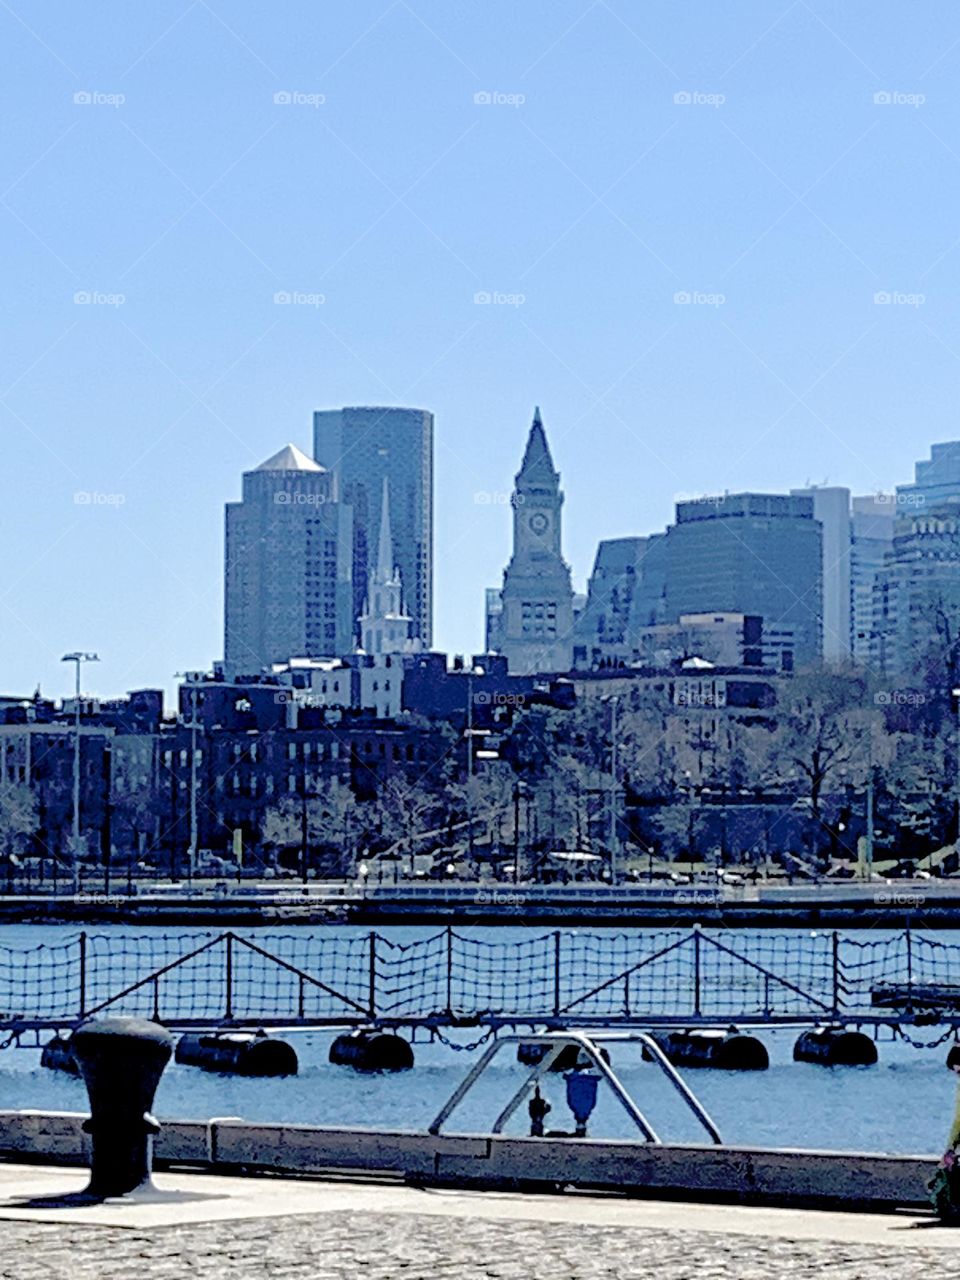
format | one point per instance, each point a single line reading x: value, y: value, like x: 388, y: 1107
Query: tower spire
x: 537, y: 462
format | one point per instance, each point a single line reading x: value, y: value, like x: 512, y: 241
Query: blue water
x: 903, y: 1104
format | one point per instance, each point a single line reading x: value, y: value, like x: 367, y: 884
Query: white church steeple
x: 384, y: 627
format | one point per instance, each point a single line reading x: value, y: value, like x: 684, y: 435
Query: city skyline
x: 943, y: 459
x: 730, y: 265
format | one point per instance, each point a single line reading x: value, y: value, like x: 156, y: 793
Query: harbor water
x: 903, y: 1104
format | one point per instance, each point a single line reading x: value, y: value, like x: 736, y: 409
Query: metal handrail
x: 557, y: 1041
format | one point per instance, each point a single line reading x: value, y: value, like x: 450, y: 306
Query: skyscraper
x: 831, y: 506
x: 287, y: 574
x: 603, y: 628
x: 871, y: 542
x: 916, y: 616
x: 936, y: 479
x: 537, y: 620
x: 750, y: 553
x: 363, y: 447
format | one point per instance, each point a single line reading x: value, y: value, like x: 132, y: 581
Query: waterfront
x: 903, y: 1104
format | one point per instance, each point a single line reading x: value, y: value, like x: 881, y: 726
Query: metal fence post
x: 228, y: 1012
x: 909, y: 967
x: 372, y: 975
x: 836, y: 973
x: 556, y: 973
x: 449, y: 970
x: 696, y: 970
x: 83, y: 974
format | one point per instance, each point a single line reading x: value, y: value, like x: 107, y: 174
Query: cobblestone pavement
x: 337, y: 1246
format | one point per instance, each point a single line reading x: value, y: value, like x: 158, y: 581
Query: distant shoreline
x: 922, y: 905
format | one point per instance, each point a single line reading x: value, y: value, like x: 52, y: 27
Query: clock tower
x: 537, y: 619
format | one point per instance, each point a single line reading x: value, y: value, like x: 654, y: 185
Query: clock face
x: 539, y: 522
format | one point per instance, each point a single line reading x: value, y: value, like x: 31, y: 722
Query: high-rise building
x: 871, y: 541
x: 602, y: 629
x: 916, y: 595
x: 287, y: 575
x: 537, y: 621
x: 363, y: 447
x: 831, y: 506
x: 493, y: 619
x: 936, y: 480
x: 750, y: 553
x: 384, y: 625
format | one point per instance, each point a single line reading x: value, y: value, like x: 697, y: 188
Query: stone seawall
x: 744, y: 1175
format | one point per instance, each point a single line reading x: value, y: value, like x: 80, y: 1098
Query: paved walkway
x: 236, y: 1228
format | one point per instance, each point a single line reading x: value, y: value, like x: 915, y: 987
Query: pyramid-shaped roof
x: 537, y: 463
x: 290, y: 458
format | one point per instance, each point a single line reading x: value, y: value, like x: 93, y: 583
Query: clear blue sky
x: 598, y: 198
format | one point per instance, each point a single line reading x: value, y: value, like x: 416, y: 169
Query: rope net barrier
x: 565, y: 974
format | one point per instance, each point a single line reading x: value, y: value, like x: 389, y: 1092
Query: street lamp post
x: 519, y: 792
x: 78, y: 659
x: 614, y: 869
x: 192, y: 677
x: 474, y: 671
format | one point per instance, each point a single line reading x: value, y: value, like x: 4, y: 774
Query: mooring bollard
x: 121, y: 1060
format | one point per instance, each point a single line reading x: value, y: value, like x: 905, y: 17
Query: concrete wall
x: 744, y: 1174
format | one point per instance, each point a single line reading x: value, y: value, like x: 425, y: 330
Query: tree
x: 325, y: 821
x: 827, y: 735
x: 19, y: 819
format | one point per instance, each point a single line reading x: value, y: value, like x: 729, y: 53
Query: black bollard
x: 121, y: 1060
